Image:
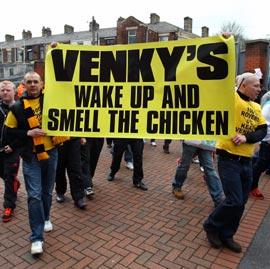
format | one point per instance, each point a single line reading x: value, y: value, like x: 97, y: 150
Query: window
x: 1, y: 72
x: 29, y: 54
x: 41, y: 52
x: 109, y: 41
x: 1, y: 60
x: 11, y: 71
x: 19, y: 55
x: 131, y: 36
x: 163, y: 38
x: 9, y: 56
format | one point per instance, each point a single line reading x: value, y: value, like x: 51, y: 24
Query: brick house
x: 19, y: 56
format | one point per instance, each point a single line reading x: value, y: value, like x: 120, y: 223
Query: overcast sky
x: 31, y: 15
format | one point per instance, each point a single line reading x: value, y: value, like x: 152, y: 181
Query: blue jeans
x: 206, y: 161
x: 39, y: 177
x: 236, y: 178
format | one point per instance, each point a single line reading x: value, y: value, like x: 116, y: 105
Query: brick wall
x: 256, y: 56
x: 142, y: 32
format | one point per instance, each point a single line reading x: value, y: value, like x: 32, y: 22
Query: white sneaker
x: 48, y: 226
x: 37, y: 247
x: 195, y: 160
x: 154, y: 144
x: 202, y: 169
x: 89, y: 191
x: 129, y: 165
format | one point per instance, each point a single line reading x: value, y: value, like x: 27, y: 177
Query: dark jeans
x: 128, y: 155
x: 236, y: 178
x: 261, y: 164
x: 90, y: 153
x: 39, y: 179
x: 69, y: 158
x: 212, y: 180
x: 136, y: 146
x: 9, y: 166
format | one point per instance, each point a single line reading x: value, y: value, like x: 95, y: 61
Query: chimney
x: 154, y: 18
x: 46, y: 32
x: 93, y: 25
x: 9, y: 38
x: 205, y: 31
x: 120, y: 19
x: 68, y: 29
x: 26, y: 34
x: 188, y: 24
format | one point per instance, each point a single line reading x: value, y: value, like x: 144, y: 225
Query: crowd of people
x: 47, y: 160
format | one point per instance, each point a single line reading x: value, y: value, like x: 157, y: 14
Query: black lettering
x: 64, y: 72
x: 140, y: 64
x: 53, y: 115
x: 112, y: 114
x: 218, y: 68
x: 222, y: 122
x: 111, y: 65
x: 136, y: 96
x: 67, y: 120
x: 197, y: 127
x: 133, y: 122
x: 87, y: 63
x: 193, y: 96
x: 95, y: 121
x: 165, y: 122
x: 184, y: 128
x: 95, y: 99
x: 170, y: 61
x: 79, y: 119
x: 82, y: 96
x: 167, y: 101
x: 87, y: 121
x: 151, y: 127
x: 209, y: 121
x: 124, y: 121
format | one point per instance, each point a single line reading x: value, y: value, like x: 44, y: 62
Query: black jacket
x: 19, y: 134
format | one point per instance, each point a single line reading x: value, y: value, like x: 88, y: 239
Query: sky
x: 33, y: 15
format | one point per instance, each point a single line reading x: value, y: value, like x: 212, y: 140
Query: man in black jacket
x: 39, y: 157
x: 9, y: 157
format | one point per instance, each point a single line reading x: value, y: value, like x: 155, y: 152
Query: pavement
x: 124, y: 227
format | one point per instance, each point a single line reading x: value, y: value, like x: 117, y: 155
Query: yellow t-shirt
x: 11, y: 121
x: 248, y: 117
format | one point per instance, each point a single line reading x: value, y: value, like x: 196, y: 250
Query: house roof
x: 82, y: 35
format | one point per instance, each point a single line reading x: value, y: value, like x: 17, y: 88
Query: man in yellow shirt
x: 39, y: 157
x: 234, y: 164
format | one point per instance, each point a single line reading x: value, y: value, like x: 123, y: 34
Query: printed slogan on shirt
x: 175, y: 89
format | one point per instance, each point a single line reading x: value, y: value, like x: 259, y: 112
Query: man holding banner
x: 39, y: 157
x: 235, y: 165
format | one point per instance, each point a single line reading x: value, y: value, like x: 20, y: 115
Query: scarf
x: 34, y: 123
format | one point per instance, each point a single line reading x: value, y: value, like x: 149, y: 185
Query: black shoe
x: 81, y: 204
x: 110, y: 177
x: 232, y: 245
x: 214, y: 239
x: 166, y: 150
x: 60, y: 198
x: 140, y: 185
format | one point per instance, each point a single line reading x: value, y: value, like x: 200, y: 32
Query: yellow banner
x: 180, y: 89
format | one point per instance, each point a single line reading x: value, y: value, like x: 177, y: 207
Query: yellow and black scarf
x: 34, y: 123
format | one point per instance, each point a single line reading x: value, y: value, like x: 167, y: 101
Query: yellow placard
x: 180, y: 89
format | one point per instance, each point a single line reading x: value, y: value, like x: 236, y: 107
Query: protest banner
x: 181, y: 89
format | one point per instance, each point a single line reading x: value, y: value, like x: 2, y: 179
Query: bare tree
x: 236, y: 30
